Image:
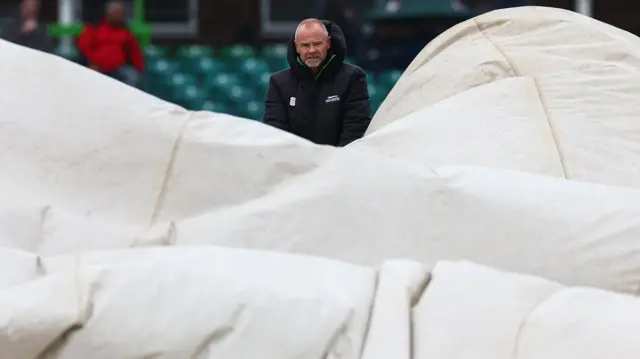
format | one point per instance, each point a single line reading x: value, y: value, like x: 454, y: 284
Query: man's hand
x: 29, y: 26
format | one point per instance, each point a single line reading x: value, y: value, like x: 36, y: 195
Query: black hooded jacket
x: 37, y: 39
x: 331, y: 108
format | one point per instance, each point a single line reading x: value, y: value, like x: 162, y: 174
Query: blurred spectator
x: 25, y: 29
x: 111, y: 48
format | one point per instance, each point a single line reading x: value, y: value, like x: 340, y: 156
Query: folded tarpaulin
x: 511, y: 141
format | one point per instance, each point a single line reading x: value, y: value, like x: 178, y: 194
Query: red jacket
x: 109, y: 47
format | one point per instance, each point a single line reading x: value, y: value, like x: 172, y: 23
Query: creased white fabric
x: 472, y: 311
x: 131, y: 228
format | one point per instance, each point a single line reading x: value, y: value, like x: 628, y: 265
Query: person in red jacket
x: 111, y: 48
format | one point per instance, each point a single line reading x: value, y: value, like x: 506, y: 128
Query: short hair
x: 112, y: 3
x: 309, y: 22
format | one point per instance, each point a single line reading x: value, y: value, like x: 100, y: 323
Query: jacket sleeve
x: 357, y: 113
x: 10, y: 29
x: 47, y: 44
x: 135, y: 52
x: 85, y: 43
x: 275, y: 112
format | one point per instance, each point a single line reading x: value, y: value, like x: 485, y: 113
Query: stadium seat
x: 252, y: 109
x: 219, y: 85
x: 275, y: 51
x: 253, y: 68
x: 388, y: 79
x: 239, y: 95
x: 194, y: 52
x: 262, y: 84
x: 161, y: 67
x: 237, y: 53
x: 278, y: 65
x: 176, y: 88
x: 182, y: 79
x: 376, y: 96
x: 372, y: 79
x: 158, y: 78
x: 276, y: 57
x: 214, y: 106
x: 203, y: 66
x: 155, y: 52
x: 159, y: 88
x: 189, y: 96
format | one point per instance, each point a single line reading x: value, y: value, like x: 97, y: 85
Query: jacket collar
x: 318, y: 76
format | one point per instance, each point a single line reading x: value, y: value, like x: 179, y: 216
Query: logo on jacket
x: 333, y: 98
x: 292, y: 101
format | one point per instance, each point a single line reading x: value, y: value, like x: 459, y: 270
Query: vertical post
x: 138, y: 11
x: 65, y: 17
x: 584, y: 7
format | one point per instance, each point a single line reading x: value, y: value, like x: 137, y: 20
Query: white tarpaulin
x: 533, y: 89
x: 511, y: 141
x: 469, y: 311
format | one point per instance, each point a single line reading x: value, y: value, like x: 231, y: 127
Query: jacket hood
x: 335, y: 57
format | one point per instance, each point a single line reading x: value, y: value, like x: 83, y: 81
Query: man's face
x: 116, y: 14
x: 312, y: 44
x: 30, y: 8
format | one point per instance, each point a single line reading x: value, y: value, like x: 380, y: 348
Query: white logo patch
x: 292, y: 101
x: 333, y: 98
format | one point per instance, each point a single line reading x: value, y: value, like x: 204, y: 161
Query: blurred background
x: 217, y: 55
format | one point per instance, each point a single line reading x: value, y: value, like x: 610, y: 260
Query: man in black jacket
x: 25, y: 29
x: 319, y: 97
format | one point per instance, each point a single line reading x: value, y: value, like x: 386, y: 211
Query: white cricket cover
x: 507, y: 156
x: 470, y: 311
